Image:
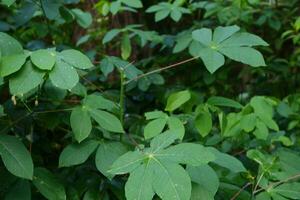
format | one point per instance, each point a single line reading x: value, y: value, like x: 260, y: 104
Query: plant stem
x: 122, y: 98
x: 162, y: 69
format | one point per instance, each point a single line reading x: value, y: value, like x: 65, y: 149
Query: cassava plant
x: 142, y: 100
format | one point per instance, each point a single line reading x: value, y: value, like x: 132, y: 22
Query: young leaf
x: 48, y: 185
x: 16, y: 157
x: 76, y: 59
x: 63, y: 75
x: 84, y: 19
x: 81, y: 123
x: 25, y: 80
x: 222, y: 101
x: 261, y: 131
x: 248, y: 122
x: 75, y: 154
x: 110, y: 35
x: 11, y: 64
x: 107, y: 154
x: 155, y: 115
x: 203, y: 123
x: 176, y: 126
x: 177, y: 99
x: 133, y: 3
x: 154, y: 127
x: 125, y: 47
x: 43, y: 59
x: 107, y: 121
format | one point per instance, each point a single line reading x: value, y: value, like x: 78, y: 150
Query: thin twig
x: 239, y: 192
x: 278, y: 183
x: 161, y: 69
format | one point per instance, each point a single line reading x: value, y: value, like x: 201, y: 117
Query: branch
x: 161, y: 69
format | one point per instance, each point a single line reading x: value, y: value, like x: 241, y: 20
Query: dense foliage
x: 147, y: 99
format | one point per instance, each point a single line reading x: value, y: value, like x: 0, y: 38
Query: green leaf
x: 75, y: 154
x: 133, y: 3
x: 25, y: 80
x: 125, y: 47
x: 97, y: 101
x: 51, y: 8
x: 176, y: 15
x: 289, y: 190
x: 222, y: 33
x: 160, y: 15
x: 243, y: 39
x: 154, y: 127
x: 107, y: 154
x: 8, y: 2
x: 139, y: 184
x: 107, y: 121
x: 155, y: 115
x: 222, y: 101
x: 187, y: 153
x: 127, y: 162
x: 177, y: 99
x: 110, y: 35
x: 176, y: 126
x: 63, y: 75
x: 204, y: 36
x: 48, y: 185
x: 212, y: 59
x: 43, y: 59
x: 81, y: 123
x: 227, y: 161
x: 206, y: 177
x: 248, y: 122
x: 203, y: 123
x: 20, y: 190
x: 84, y: 19
x: 261, y: 131
x: 171, y: 181
x: 245, y: 55
x: 261, y: 107
x: 16, y: 157
x: 9, y: 46
x: 11, y: 64
x: 76, y: 59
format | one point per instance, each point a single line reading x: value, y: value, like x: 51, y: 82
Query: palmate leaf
x: 212, y: 46
x: 93, y: 107
x: 157, y: 169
